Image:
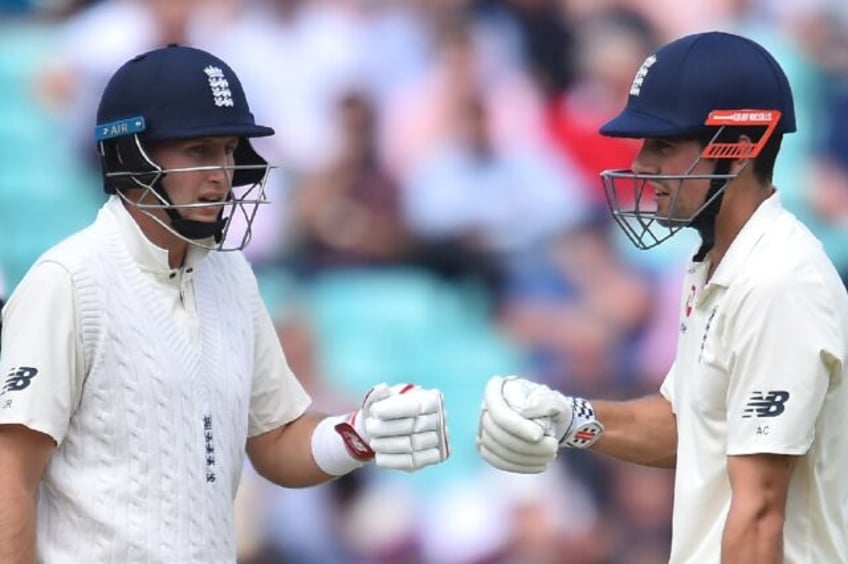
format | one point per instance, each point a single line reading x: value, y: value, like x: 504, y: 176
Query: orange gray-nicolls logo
x: 219, y: 86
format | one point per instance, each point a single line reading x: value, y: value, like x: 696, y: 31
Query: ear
x: 738, y: 165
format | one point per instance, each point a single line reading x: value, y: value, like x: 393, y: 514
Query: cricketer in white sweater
x: 150, y: 380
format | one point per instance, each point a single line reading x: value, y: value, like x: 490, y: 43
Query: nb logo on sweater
x: 770, y: 404
x: 18, y: 378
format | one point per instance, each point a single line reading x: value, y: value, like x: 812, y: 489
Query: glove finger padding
x: 376, y: 427
x: 543, y: 457
x: 508, y: 465
x: 410, y: 403
x: 410, y: 461
x: 407, y: 429
x: 545, y: 447
x: 406, y: 443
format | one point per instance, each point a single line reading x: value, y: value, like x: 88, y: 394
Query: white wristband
x: 331, y: 453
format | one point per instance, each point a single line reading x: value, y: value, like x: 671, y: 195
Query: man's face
x: 212, y: 184
x: 675, y: 199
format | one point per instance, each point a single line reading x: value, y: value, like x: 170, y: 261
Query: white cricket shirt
x: 761, y: 367
x: 150, y: 379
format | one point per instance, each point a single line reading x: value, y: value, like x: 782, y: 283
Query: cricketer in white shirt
x: 761, y: 367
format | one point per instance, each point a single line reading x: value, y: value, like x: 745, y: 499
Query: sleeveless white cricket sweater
x: 152, y: 458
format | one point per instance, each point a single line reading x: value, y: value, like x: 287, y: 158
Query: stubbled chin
x: 662, y: 216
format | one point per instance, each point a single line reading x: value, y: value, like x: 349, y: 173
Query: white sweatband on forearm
x: 329, y: 449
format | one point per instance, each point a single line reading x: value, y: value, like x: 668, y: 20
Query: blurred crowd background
x: 437, y: 217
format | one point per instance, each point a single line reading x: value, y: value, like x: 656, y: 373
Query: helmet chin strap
x: 189, y: 228
x: 705, y: 221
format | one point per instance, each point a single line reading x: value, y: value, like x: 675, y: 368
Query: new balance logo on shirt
x: 18, y: 379
x: 769, y: 404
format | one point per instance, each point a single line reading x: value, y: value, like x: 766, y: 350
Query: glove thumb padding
x: 499, y: 407
x: 550, y: 409
x: 375, y: 394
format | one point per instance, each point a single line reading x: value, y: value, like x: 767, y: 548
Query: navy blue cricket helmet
x: 678, y: 86
x: 172, y: 93
x: 674, y: 92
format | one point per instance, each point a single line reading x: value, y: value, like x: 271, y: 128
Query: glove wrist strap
x: 585, y: 429
x: 337, y: 447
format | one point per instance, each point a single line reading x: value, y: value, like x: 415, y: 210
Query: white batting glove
x: 524, y: 424
x: 401, y: 427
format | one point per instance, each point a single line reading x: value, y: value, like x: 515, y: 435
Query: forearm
x: 23, y: 457
x: 752, y: 538
x: 401, y: 427
x: 753, y: 530
x: 17, y: 524
x: 642, y: 431
x: 284, y: 456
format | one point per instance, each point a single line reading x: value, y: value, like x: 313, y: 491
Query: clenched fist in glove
x: 523, y: 425
x: 401, y: 427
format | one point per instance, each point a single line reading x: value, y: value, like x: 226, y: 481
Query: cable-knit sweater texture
x: 153, y: 454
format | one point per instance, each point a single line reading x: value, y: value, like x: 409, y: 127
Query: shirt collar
x: 148, y: 256
x: 740, y: 249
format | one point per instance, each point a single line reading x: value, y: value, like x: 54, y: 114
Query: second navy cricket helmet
x: 172, y: 93
x: 704, y: 85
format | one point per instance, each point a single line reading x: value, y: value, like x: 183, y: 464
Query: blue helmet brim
x: 218, y: 130
x: 639, y: 125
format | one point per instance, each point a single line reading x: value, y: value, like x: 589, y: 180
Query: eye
x: 231, y: 148
x: 664, y: 146
x: 198, y: 150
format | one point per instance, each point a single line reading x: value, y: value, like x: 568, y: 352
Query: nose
x: 219, y: 175
x: 222, y: 171
x: 643, y: 163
